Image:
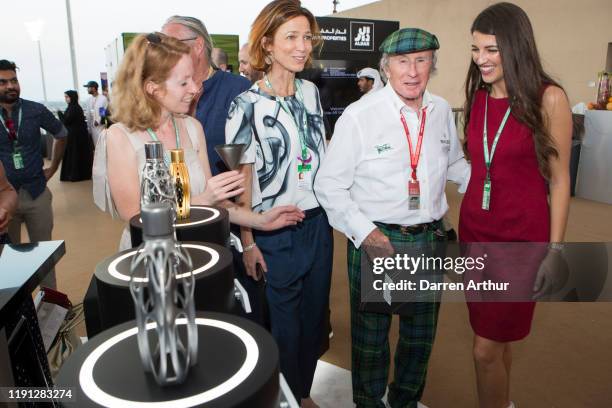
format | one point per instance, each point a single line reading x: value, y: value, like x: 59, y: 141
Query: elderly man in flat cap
x: 382, y: 184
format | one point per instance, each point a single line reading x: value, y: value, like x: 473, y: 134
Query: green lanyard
x: 178, y: 142
x: 305, y: 158
x: 488, y: 157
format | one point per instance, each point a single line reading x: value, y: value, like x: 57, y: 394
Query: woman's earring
x: 268, y: 59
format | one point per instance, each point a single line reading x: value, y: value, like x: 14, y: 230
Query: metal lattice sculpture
x: 157, y: 185
x: 162, y: 297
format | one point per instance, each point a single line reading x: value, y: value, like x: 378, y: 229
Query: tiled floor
x: 332, y: 386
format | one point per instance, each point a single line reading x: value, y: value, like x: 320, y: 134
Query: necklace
x: 271, y: 87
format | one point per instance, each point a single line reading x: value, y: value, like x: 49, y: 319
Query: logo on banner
x: 362, y: 36
x: 333, y: 34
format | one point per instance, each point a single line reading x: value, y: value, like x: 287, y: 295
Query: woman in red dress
x: 519, y: 188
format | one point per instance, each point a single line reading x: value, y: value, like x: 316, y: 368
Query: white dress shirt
x: 93, y: 115
x: 365, y: 174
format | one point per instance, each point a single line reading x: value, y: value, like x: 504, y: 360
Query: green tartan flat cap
x: 407, y: 40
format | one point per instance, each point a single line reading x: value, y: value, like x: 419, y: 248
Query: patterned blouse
x: 272, y: 143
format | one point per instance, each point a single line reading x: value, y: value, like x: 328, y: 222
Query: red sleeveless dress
x: 518, y: 210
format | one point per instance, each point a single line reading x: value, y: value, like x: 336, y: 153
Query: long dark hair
x: 524, y: 76
x: 74, y: 97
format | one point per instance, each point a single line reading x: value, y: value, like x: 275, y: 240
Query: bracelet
x: 556, y: 246
x: 249, y: 247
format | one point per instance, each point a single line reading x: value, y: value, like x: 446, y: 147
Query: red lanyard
x: 10, y: 127
x: 9, y: 124
x: 414, y: 158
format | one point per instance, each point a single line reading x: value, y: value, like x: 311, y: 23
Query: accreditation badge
x: 414, y: 195
x: 18, y: 161
x: 305, y: 180
x: 486, y: 194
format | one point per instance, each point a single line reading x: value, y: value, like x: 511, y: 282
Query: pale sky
x: 97, y: 23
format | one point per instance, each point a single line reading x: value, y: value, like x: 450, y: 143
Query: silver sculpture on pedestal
x: 156, y: 185
x: 162, y: 297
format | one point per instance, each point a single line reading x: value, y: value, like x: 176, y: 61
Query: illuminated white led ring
x: 215, y: 214
x: 97, y: 395
x: 214, y: 258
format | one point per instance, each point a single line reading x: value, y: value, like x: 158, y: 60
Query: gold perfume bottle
x: 180, y: 176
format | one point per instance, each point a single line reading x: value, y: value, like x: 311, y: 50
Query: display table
x: 108, y: 301
x: 594, y: 181
x: 237, y: 367
x: 205, y: 224
x: 23, y: 360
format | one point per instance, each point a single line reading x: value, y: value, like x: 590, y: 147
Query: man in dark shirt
x: 21, y: 156
x: 219, y: 88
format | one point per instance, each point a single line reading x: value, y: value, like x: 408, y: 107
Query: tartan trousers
x: 370, y: 340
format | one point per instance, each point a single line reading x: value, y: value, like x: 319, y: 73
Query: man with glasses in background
x: 210, y: 107
x: 218, y: 88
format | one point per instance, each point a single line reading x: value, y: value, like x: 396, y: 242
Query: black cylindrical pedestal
x: 214, y: 285
x: 205, y: 224
x: 237, y: 367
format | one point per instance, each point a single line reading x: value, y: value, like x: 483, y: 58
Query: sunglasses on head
x: 153, y: 38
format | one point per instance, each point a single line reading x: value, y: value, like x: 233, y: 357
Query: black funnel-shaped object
x: 231, y: 154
